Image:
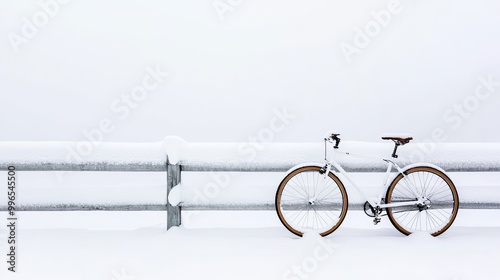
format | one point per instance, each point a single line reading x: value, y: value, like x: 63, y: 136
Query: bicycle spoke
x: 308, y: 200
x: 437, y: 201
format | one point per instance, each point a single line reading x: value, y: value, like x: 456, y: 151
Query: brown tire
x: 309, y: 201
x: 438, y: 192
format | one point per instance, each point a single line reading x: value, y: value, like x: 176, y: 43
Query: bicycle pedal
x: 376, y: 220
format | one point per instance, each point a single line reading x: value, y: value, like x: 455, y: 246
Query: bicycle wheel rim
x: 308, y: 201
x: 433, y: 187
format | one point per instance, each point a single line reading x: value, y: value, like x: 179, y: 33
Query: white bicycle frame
x: 383, y: 189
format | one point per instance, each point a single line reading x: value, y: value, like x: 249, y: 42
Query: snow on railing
x: 453, y: 157
x: 175, y: 156
x: 88, y: 156
x: 82, y: 156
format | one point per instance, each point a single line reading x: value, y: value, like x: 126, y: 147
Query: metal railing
x: 110, y: 158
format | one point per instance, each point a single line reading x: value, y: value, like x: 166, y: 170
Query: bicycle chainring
x: 370, y: 211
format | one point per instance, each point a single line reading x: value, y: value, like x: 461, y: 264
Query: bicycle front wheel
x: 307, y: 201
x: 439, y: 198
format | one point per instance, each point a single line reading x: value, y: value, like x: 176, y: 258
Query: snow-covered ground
x: 246, y: 245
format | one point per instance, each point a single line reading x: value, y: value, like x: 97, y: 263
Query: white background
x: 230, y: 70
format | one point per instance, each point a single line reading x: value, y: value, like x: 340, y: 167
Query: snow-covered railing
x: 246, y: 157
x: 82, y: 156
x: 269, y: 157
x: 175, y: 156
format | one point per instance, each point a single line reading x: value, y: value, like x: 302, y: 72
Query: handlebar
x: 333, y: 137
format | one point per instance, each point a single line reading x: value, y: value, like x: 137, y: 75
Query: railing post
x: 173, y: 179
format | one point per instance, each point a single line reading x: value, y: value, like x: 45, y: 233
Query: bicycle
x: 420, y: 197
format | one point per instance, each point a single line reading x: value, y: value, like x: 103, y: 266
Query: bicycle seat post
x: 396, y: 145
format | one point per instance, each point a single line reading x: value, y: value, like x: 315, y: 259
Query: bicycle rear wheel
x: 438, y: 192
x: 309, y: 201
